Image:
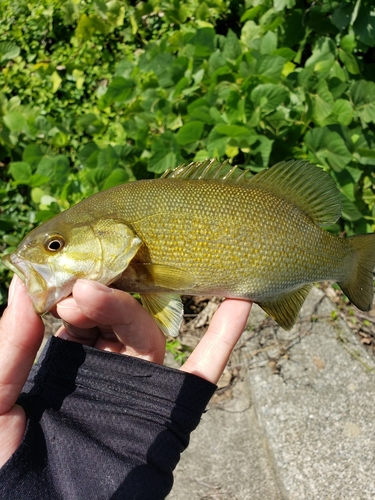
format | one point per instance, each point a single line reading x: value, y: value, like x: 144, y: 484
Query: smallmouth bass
x: 202, y: 230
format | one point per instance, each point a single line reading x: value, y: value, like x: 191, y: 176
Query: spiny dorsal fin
x: 305, y: 185
x: 208, y: 169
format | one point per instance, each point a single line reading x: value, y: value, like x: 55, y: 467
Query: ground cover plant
x: 97, y: 93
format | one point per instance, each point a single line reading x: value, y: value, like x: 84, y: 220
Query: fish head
x: 52, y: 257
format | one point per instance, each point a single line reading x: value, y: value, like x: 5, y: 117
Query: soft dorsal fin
x: 208, y: 169
x: 305, y: 185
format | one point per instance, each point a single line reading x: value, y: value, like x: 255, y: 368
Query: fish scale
x: 203, y: 230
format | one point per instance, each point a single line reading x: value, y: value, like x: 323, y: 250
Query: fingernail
x: 13, y: 287
x: 68, y: 303
x: 96, y: 286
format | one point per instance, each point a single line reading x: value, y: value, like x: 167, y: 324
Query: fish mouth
x: 35, y: 278
x: 7, y: 262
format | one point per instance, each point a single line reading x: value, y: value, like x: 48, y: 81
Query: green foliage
x: 97, y: 93
x: 180, y: 352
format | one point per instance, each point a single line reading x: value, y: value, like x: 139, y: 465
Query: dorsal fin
x: 301, y: 183
x: 208, y: 169
x: 305, y: 185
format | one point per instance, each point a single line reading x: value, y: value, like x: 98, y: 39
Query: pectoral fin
x: 144, y: 277
x: 285, y: 309
x: 166, y: 309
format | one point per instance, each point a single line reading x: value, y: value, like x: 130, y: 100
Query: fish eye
x: 54, y: 243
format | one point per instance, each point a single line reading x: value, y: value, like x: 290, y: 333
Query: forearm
x: 102, y: 425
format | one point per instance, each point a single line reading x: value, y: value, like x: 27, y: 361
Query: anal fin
x: 166, y: 309
x: 284, y: 310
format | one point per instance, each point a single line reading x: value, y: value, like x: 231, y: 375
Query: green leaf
x: 251, y: 13
x: 233, y: 130
x: 79, y: 77
x: 36, y: 194
x: 124, y: 68
x: 62, y: 170
x: 216, y: 144
x: 11, y: 240
x: 33, y: 154
x: 349, y: 61
x: 270, y: 66
x: 190, y: 132
x: 348, y: 43
x: 88, y: 25
x: 280, y: 5
x: 87, y: 151
x: 322, y: 102
x: 341, y: 16
x: 120, y: 89
x: 328, y: 147
x: 342, y: 113
x: 285, y: 52
x: 54, y: 170
x: 268, y: 96
x: 363, y: 96
x: 263, y: 151
x: 108, y: 158
x: 161, y: 161
x: 203, y: 42
x: 85, y: 28
x: 46, y: 167
x: 8, y: 50
x: 349, y: 210
x: 116, y: 177
x: 232, y: 47
x: 202, y: 12
x: 91, y: 124
x: 269, y: 43
x: 324, y: 52
x: 39, y: 180
x: 96, y: 176
x: 165, y: 153
x: 345, y: 183
x: 15, y: 121
x: 250, y: 31
x: 364, y: 25
x: 20, y: 171
x: 368, y: 153
x: 355, y: 174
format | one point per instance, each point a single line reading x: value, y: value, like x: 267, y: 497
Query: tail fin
x: 360, y: 286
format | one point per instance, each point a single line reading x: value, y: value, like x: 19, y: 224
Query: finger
x: 71, y: 313
x: 21, y: 334
x: 77, y: 327
x: 133, y: 326
x: 210, y: 357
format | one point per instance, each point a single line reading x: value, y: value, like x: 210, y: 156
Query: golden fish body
x: 232, y: 240
x: 195, y: 233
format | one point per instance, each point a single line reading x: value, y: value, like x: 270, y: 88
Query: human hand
x: 113, y: 320
x: 21, y: 334
x: 107, y: 319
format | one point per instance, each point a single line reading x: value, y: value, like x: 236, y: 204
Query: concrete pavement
x: 301, y: 420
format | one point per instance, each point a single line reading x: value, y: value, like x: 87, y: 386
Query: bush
x: 98, y: 93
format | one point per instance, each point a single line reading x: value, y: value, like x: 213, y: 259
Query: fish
x: 202, y: 229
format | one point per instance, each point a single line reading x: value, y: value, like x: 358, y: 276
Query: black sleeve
x: 102, y: 426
